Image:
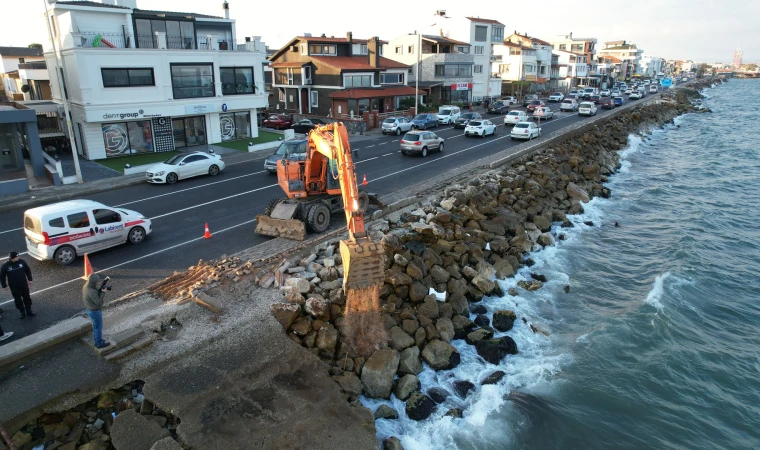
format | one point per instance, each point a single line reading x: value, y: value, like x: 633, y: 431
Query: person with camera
x: 93, y: 294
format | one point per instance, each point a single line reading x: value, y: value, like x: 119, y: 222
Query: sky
x: 699, y: 30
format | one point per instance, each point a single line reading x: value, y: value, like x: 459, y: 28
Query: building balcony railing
x: 124, y: 40
x: 104, y: 40
x: 34, y: 65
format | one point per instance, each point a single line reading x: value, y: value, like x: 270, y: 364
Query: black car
x: 465, y: 118
x: 498, y: 108
x: 306, y: 125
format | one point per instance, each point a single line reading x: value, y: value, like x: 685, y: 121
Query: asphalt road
x: 229, y: 204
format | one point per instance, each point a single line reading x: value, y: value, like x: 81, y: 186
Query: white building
x: 22, y: 66
x: 573, y: 69
x: 582, y: 45
x: 651, y: 65
x: 625, y: 52
x: 525, y: 59
x: 153, y: 81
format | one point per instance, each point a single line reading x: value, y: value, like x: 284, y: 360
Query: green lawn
x: 242, y: 144
x: 118, y: 164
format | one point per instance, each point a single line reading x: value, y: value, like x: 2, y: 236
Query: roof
x: 443, y: 39
x: 90, y: 4
x: 176, y: 14
x: 619, y: 47
x: 282, y: 65
x: 360, y: 62
x: 370, y: 93
x: 612, y: 59
x: 478, y: 19
x: 512, y: 44
x: 530, y: 38
x: 336, y: 39
x: 20, y: 51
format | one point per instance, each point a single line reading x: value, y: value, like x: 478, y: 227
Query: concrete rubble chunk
x: 166, y: 444
x: 285, y: 313
x: 208, y: 302
x: 378, y: 373
x: 299, y: 284
x: 132, y: 431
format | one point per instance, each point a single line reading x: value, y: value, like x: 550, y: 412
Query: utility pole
x: 59, y: 75
x: 417, y: 74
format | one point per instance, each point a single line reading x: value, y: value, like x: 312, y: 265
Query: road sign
x: 666, y: 82
x: 539, y: 112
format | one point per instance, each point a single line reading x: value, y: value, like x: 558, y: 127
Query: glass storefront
x: 454, y: 96
x: 9, y: 160
x: 189, y: 131
x: 235, y: 125
x: 127, y: 138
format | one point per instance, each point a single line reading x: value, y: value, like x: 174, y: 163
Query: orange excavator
x: 322, y: 183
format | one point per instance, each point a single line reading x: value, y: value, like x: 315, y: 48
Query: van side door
x: 82, y: 231
x: 109, y: 226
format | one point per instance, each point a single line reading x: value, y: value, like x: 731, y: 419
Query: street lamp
x: 417, y: 73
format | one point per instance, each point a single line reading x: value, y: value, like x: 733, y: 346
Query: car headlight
x: 158, y: 174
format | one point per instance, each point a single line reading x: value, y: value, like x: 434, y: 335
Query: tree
x: 35, y: 45
x: 701, y: 70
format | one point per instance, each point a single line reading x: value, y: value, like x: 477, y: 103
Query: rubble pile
x: 200, y: 278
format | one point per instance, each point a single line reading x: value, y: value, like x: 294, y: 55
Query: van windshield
x: 444, y: 112
x: 289, y: 148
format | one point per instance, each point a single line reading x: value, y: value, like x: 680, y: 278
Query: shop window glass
x: 192, y: 81
x: 126, y: 138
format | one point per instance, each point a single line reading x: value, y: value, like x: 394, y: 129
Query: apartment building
x: 583, y: 46
x: 142, y: 81
x: 24, y: 73
x: 523, y: 60
x: 573, y: 69
x: 624, y: 51
x: 651, y: 65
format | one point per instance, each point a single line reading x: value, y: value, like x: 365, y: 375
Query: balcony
x: 496, y: 58
x: 124, y: 40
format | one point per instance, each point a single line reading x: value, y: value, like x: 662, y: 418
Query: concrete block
x: 129, y: 349
x: 37, y: 342
x: 208, y: 302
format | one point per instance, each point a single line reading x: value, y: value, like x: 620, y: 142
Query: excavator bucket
x: 281, y: 223
x: 363, y: 264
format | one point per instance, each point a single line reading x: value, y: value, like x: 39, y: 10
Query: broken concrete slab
x: 133, y: 431
x: 208, y: 302
x: 30, y: 345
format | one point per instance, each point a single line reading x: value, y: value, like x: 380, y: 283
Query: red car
x: 278, y: 122
x: 535, y: 104
x: 607, y: 103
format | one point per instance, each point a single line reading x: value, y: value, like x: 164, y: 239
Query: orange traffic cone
x: 207, y: 234
x: 87, y: 267
x: 364, y: 182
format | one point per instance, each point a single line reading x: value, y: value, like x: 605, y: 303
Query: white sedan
x: 509, y: 100
x: 605, y: 93
x: 544, y: 113
x: 184, y: 165
x: 557, y: 97
x: 514, y: 117
x: 525, y: 130
x: 479, y: 128
x: 635, y: 95
x: 587, y: 109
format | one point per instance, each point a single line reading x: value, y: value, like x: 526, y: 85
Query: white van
x: 448, y: 114
x: 62, y: 231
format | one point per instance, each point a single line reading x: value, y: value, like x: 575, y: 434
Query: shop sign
x: 541, y: 80
x: 530, y: 78
x: 461, y: 86
x: 127, y: 114
x: 198, y: 109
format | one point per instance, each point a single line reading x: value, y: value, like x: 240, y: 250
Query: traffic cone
x: 207, y: 234
x: 87, y: 267
x: 364, y: 182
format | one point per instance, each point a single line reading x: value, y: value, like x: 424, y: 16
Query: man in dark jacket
x: 93, y: 294
x: 17, y: 275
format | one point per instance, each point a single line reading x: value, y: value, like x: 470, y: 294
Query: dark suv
x: 498, y: 108
x: 465, y: 118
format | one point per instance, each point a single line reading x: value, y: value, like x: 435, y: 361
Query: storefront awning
x: 374, y: 93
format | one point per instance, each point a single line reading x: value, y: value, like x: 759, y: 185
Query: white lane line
x: 213, y: 201
x: 388, y: 154
x: 137, y: 259
x: 383, y: 143
x: 370, y: 146
x: 365, y: 160
x: 8, y: 231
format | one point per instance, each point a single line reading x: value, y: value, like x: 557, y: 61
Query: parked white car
x: 568, y: 104
x: 525, y: 130
x: 479, y: 128
x: 184, y: 165
x: 514, y: 117
x: 448, y: 114
x: 653, y: 89
x: 509, y: 100
x: 544, y: 113
x: 557, y: 97
x: 587, y: 109
x: 64, y: 230
x: 396, y: 125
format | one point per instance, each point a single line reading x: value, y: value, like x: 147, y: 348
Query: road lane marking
x: 388, y: 154
x: 136, y: 259
x: 365, y: 160
x: 370, y: 146
x: 214, y: 201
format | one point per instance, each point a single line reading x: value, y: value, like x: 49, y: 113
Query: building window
x: 282, y: 95
x: 304, y: 49
x: 236, y: 80
x: 576, y: 47
x: 481, y: 33
x: 562, y: 47
x: 179, y: 34
x: 319, y: 49
x: 127, y: 77
x: 192, y: 80
x: 463, y: 49
x: 363, y: 49
x: 478, y: 69
x: 391, y: 78
x: 453, y: 70
x: 399, y: 49
x: 314, y: 99
x: 478, y: 49
x: 235, y: 126
x: 503, y: 68
x: 189, y: 131
x: 357, y: 81
x: 127, y: 138
x: 410, y: 49
x: 497, y: 34
x: 514, y: 51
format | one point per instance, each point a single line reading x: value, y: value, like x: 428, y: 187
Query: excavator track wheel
x: 318, y: 217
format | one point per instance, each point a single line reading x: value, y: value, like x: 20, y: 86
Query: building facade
x: 141, y: 81
x: 522, y: 61
x: 624, y: 51
x: 573, y: 70
x: 580, y: 45
x: 24, y: 74
x: 737, y: 61
x: 651, y: 65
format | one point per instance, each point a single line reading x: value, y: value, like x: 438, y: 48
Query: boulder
x: 463, y: 387
x: 448, y: 204
x: 378, y: 373
x: 456, y: 413
x: 399, y: 339
x: 406, y: 385
x: 485, y: 286
x: 545, y: 239
x: 392, y: 443
x: 576, y: 192
x: 445, y: 329
x: 494, y: 378
x: 300, y: 285
x: 285, y: 313
x: 494, y: 350
x: 397, y: 278
x: 166, y: 444
x: 327, y: 340
x: 478, y: 335
x: 349, y: 383
x: 504, y: 319
x: 400, y: 260
x: 414, y: 271
x: 439, y: 274
x: 440, y: 355
x: 133, y: 431
x: 418, y: 292
x: 301, y: 326
x: 429, y: 309
x: 530, y: 285
x: 20, y: 439
x: 318, y: 308
x: 385, y: 412
x: 482, y: 320
x: 542, y: 223
x: 409, y: 362
x: 419, y: 406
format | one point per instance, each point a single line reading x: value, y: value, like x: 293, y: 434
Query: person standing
x: 93, y: 296
x: 4, y: 336
x: 17, y: 275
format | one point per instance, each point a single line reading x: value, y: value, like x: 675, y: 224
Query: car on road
x: 589, y: 91
x: 607, y: 103
x: 292, y: 149
x: 465, y: 118
x: 480, y: 128
x: 278, y: 122
x: 529, y: 99
x: 64, y: 230
x: 557, y: 97
x: 421, y: 142
x: 628, y: 91
x: 575, y: 97
x: 514, y: 117
x: 425, y: 121
x: 635, y: 95
x: 604, y: 93
x: 574, y: 92
x: 509, y: 100
x: 653, y: 89
x: 306, y: 125
x: 615, y: 93
x: 498, y: 107
x: 396, y: 125
x: 587, y: 109
x: 535, y: 104
x: 184, y: 165
x: 544, y: 113
x: 618, y: 101
x: 568, y: 104
x: 448, y: 114
x: 525, y: 130
x: 596, y: 99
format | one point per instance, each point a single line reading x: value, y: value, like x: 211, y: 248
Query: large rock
x: 576, y: 192
x: 133, y: 431
x: 494, y: 350
x: 478, y: 335
x: 300, y: 285
x: 542, y: 223
x: 385, y: 412
x: 440, y: 355
x: 439, y: 274
x: 378, y: 373
x: 349, y: 383
x: 405, y: 386
x: 445, y: 329
x: 485, y: 285
x: 397, y: 278
x: 318, y: 308
x: 166, y: 444
x: 409, y: 362
x: 418, y: 292
x: 392, y: 443
x: 285, y: 313
x: 399, y: 339
x: 414, y: 271
x: 439, y: 395
x: 463, y: 387
x: 504, y: 319
x: 494, y: 378
x: 429, y: 309
x: 546, y: 239
x: 419, y: 406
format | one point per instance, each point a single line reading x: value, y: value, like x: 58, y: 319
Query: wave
x: 655, y: 294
